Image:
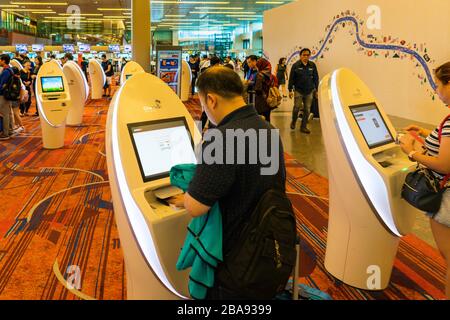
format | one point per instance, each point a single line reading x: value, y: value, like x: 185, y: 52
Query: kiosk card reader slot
x: 367, y: 170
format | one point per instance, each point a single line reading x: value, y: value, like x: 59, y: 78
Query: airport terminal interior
x: 99, y: 102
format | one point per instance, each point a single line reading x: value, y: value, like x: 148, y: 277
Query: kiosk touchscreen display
x: 52, y: 84
x: 68, y: 48
x: 372, y: 125
x: 160, y: 145
x: 22, y: 48
x: 84, y: 48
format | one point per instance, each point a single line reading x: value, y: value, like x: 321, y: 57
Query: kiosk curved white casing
x: 79, y: 91
x: 186, y: 80
x: 53, y: 101
x: 367, y: 214
x: 151, y: 234
x: 17, y: 64
x: 130, y: 69
x: 98, y: 79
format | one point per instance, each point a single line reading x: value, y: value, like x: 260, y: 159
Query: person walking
x: 263, y: 83
x: 26, y: 77
x: 303, y: 85
x: 195, y: 69
x: 282, y: 76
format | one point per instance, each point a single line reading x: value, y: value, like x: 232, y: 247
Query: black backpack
x: 11, y: 90
x: 262, y: 260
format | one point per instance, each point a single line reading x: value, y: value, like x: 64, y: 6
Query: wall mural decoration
x: 388, y: 47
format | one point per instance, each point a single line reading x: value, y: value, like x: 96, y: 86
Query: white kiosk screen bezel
x: 376, y: 145
x: 42, y: 84
x: 132, y: 126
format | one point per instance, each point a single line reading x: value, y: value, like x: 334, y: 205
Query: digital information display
x: 84, y: 48
x: 22, y: 48
x: 169, y: 68
x: 160, y: 145
x: 52, y: 84
x: 114, y: 48
x: 127, y: 48
x: 68, y: 48
x: 37, y: 47
x: 372, y: 125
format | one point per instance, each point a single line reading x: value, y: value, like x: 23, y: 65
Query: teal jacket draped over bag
x: 202, y: 249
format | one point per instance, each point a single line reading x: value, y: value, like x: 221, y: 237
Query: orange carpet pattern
x: 56, y: 212
x: 56, y: 216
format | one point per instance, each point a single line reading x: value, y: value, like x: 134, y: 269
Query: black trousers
x: 194, y: 81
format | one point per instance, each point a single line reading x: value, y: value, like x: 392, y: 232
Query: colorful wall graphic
x: 396, y: 61
x: 387, y: 47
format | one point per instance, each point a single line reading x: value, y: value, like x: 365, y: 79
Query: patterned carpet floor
x: 56, y: 212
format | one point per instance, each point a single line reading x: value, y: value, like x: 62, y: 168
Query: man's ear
x: 211, y: 100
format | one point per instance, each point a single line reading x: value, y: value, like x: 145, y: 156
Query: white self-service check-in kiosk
x: 367, y: 170
x: 186, y: 80
x: 97, y: 78
x: 53, y: 101
x: 79, y: 91
x: 149, y: 130
x: 17, y: 64
x: 129, y: 70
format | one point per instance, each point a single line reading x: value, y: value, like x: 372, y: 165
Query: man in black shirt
x: 304, y: 80
x: 235, y: 174
x: 109, y: 72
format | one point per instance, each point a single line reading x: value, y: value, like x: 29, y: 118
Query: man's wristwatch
x: 411, y: 155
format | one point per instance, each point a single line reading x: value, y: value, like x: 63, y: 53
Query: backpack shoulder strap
x: 441, y: 127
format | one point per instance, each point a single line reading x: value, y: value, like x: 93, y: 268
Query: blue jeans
x: 302, y: 102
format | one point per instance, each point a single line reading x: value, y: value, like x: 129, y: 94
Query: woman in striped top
x: 437, y: 158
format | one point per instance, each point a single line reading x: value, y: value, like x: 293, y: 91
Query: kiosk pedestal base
x: 362, y: 257
x: 75, y: 118
x: 52, y: 138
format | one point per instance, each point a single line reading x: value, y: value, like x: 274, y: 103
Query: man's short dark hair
x: 6, y: 58
x: 229, y: 66
x: 103, y: 56
x: 221, y: 81
x: 304, y: 50
x: 69, y: 56
x: 252, y: 57
x: 215, y: 61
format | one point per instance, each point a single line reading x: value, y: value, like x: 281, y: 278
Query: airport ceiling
x: 166, y: 14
